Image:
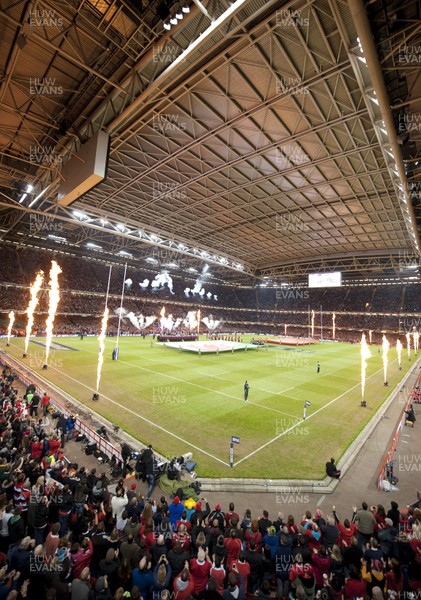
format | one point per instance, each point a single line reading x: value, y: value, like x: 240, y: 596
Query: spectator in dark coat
x: 264, y: 523
x: 330, y: 532
x: 283, y: 559
x: 387, y: 539
x: 177, y: 557
x: 16, y: 527
x: 394, y: 514
x: 236, y: 588
x: 255, y: 561
x: 157, y: 549
x: 109, y: 566
x: 101, y: 591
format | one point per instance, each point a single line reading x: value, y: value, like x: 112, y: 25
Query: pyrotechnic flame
x: 162, y: 313
x: 53, y: 300
x: 101, y: 339
x: 408, y: 343
x: 9, y: 329
x: 365, y: 354
x: 33, y: 303
x: 416, y: 337
x: 399, y: 350
x: 312, y: 323
x: 369, y: 335
x: 385, y: 347
x: 333, y: 325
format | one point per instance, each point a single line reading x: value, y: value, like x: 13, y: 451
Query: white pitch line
x: 272, y: 409
x: 189, y: 383
x: 202, y: 387
x: 287, y: 389
x: 293, y: 398
x: 321, y: 500
x: 213, y: 376
x: 309, y: 417
x: 137, y: 415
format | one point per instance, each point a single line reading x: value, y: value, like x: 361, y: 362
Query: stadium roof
x: 269, y: 138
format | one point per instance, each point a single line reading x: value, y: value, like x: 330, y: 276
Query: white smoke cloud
x: 161, y: 280
x: 190, y: 320
x: 144, y: 284
x: 128, y: 282
x: 198, y: 286
x: 167, y: 323
x: 139, y: 321
x: 210, y: 323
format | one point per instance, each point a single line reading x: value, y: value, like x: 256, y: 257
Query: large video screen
x: 320, y: 280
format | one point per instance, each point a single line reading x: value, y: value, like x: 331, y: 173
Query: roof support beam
x: 362, y: 25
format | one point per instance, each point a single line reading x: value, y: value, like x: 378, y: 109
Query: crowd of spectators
x: 65, y: 535
x: 391, y: 308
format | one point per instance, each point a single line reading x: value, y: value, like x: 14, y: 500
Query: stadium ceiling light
x: 80, y: 215
x: 40, y: 195
x: 57, y: 238
x: 173, y: 20
x: 124, y: 253
x: 121, y: 227
x: 103, y: 222
x: 22, y: 198
x: 150, y: 259
x: 29, y: 188
x: 92, y: 245
x: 186, y: 9
x: 167, y: 26
x: 179, y: 15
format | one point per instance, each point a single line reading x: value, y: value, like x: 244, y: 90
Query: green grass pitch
x: 180, y: 402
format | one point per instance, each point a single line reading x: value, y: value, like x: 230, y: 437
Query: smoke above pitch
x: 139, y: 321
x: 198, y: 288
x: 211, y: 323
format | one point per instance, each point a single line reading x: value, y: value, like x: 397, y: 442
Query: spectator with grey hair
x: 330, y: 532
